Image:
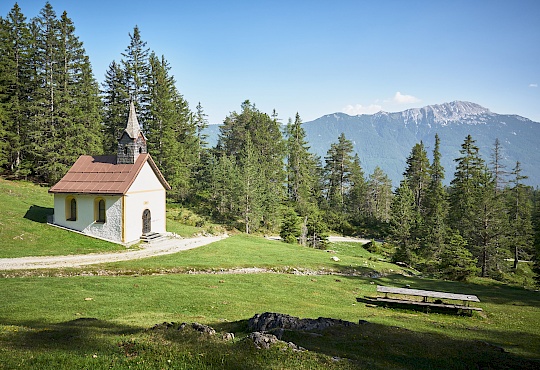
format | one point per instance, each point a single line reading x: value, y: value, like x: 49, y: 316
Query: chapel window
x: 71, y: 208
x: 99, y: 211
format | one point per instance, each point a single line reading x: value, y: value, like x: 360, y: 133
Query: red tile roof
x: 102, y: 175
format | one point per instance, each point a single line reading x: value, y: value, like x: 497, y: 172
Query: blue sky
x: 319, y: 57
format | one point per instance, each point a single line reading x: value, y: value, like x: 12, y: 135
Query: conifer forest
x: 261, y: 176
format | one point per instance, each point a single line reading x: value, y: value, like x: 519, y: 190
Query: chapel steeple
x: 132, y: 142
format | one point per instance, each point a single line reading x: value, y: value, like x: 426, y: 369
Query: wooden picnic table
x: 466, y: 298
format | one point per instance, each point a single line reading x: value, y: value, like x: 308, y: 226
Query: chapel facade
x: 119, y: 198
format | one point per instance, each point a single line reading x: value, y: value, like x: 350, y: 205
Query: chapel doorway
x: 146, y: 222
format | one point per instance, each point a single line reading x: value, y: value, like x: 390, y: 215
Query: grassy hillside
x: 25, y: 208
x: 24, y: 231
x: 100, y: 316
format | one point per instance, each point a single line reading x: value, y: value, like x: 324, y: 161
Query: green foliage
x: 189, y: 218
x: 457, y: 263
x: 290, y: 226
x: 402, y: 223
x: 49, y: 95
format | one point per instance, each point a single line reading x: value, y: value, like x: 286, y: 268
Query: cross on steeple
x: 132, y: 142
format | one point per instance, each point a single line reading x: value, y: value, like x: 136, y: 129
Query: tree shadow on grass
x: 38, y: 213
x: 82, y: 335
x: 378, y: 346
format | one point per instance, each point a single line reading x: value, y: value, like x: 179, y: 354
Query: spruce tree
x: 338, y: 160
x: 251, y: 195
x: 379, y: 188
x: 63, y: 107
x: 300, y: 168
x: 170, y: 132
x: 267, y: 141
x: 487, y: 225
x: 14, y: 89
x: 536, y: 236
x: 357, y: 197
x: 201, y: 123
x: 464, y: 188
x: 115, y: 97
x: 402, y: 223
x: 456, y: 262
x: 521, y: 234
x: 417, y: 175
x: 436, y: 210
x: 136, y: 67
x: 497, y: 166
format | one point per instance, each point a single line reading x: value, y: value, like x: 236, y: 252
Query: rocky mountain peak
x: 442, y: 114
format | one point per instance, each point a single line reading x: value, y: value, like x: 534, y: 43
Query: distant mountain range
x: 386, y: 139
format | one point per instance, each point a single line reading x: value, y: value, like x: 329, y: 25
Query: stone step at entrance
x: 152, y: 237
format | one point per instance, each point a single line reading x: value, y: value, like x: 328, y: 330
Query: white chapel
x: 119, y: 198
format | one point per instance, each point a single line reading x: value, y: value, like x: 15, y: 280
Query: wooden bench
x: 426, y: 294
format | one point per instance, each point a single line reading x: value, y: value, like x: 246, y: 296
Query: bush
x: 290, y: 226
x: 190, y: 218
x: 457, y: 263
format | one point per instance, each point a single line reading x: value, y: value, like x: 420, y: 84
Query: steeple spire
x: 132, y: 142
x: 132, y: 129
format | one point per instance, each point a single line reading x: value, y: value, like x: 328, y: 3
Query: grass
x: 71, y: 320
x: 25, y: 231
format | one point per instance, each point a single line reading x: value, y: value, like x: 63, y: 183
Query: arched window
x: 99, y: 210
x: 71, y: 209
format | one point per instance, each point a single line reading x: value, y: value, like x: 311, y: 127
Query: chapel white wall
x: 146, y: 192
x: 85, y: 222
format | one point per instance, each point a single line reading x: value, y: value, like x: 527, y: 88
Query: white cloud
x: 533, y: 85
x: 399, y: 98
x: 353, y: 110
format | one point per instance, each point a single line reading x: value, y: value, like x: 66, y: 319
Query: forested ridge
x: 261, y: 176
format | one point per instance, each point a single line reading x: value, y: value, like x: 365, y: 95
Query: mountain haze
x: 385, y: 139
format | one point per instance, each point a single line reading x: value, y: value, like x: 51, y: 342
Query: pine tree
x: 379, y: 189
x: 251, y: 197
x: 338, y: 170
x: 64, y: 104
x: 402, y: 223
x: 79, y: 103
x: 536, y: 236
x: 265, y: 135
x: 357, y: 196
x: 456, y: 262
x: 14, y: 88
x: 136, y: 68
x: 47, y: 144
x: 115, y: 98
x: 417, y: 175
x: 170, y: 132
x: 464, y: 188
x: 497, y: 166
x: 300, y: 168
x: 290, y: 226
x: 520, y: 217
x: 436, y: 210
x: 488, y: 225
x: 201, y: 123
x: 224, y: 184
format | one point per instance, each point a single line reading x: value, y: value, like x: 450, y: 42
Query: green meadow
x: 103, y: 316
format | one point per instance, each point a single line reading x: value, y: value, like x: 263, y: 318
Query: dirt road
x: 168, y: 246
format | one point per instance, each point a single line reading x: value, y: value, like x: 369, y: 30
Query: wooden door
x: 146, y: 222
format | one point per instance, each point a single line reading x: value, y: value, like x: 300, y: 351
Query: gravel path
x: 168, y: 246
